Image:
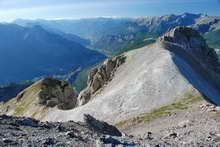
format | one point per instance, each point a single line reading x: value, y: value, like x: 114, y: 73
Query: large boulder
x: 57, y: 93
x: 101, y: 126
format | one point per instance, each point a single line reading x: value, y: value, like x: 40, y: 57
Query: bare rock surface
x: 57, y: 93
x: 188, y: 127
x: 99, y: 77
x: 101, y: 126
x: 194, y: 44
x: 26, y: 132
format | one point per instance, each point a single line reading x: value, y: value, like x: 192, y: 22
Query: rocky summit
x: 192, y: 43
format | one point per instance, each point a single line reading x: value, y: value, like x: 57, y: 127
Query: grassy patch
x: 22, y: 106
x: 162, y: 111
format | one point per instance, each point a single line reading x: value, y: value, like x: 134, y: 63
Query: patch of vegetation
x: 81, y: 81
x: 137, y: 44
x: 142, y: 39
x: 22, y: 106
x: 162, y: 111
x: 213, y: 38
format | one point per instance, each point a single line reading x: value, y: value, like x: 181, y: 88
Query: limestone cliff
x: 100, y: 76
x: 193, y: 44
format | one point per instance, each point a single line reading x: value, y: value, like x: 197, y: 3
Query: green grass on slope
x: 213, y: 38
x: 81, y: 81
x: 26, y: 101
x: 142, y: 39
x: 162, y: 111
x: 136, y: 45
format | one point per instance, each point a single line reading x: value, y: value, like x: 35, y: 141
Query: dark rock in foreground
x: 26, y: 132
x: 20, y: 131
x: 101, y: 126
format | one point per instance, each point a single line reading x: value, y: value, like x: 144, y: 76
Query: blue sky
x: 58, y: 9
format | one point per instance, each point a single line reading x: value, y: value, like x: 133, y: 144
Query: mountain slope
x: 27, y: 53
x: 178, y: 66
x: 40, y: 98
x: 152, y: 77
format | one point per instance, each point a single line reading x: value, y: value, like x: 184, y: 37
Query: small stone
x: 184, y: 124
x: 109, y: 140
x: 49, y: 141
x: 174, y: 135
x: 149, y: 135
x: 7, y: 141
x: 71, y: 134
x: 60, y: 128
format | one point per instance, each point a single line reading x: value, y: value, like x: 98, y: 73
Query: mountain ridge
x: 115, y: 36
x: 161, y: 75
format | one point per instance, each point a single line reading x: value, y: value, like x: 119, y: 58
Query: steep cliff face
x: 192, y: 43
x: 99, y: 77
x: 179, y: 65
x: 188, y: 44
x: 41, y: 97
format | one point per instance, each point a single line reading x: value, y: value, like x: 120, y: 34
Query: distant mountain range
x: 62, y: 48
x: 27, y: 53
x: 113, y: 36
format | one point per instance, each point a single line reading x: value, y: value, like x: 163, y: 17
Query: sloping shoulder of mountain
x: 41, y: 97
x: 178, y: 65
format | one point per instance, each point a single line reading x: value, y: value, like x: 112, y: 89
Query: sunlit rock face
x: 100, y: 76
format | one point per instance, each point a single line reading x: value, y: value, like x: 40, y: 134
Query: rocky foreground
x: 15, y: 131
x: 26, y: 132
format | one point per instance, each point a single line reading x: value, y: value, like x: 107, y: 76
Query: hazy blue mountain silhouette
x: 27, y: 53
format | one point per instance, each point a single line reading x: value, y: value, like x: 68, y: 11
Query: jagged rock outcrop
x: 192, y: 43
x: 101, y: 126
x: 57, y: 93
x: 100, y: 76
x: 54, y: 93
x: 192, y: 47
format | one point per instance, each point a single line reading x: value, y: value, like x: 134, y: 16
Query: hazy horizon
x: 67, y: 9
